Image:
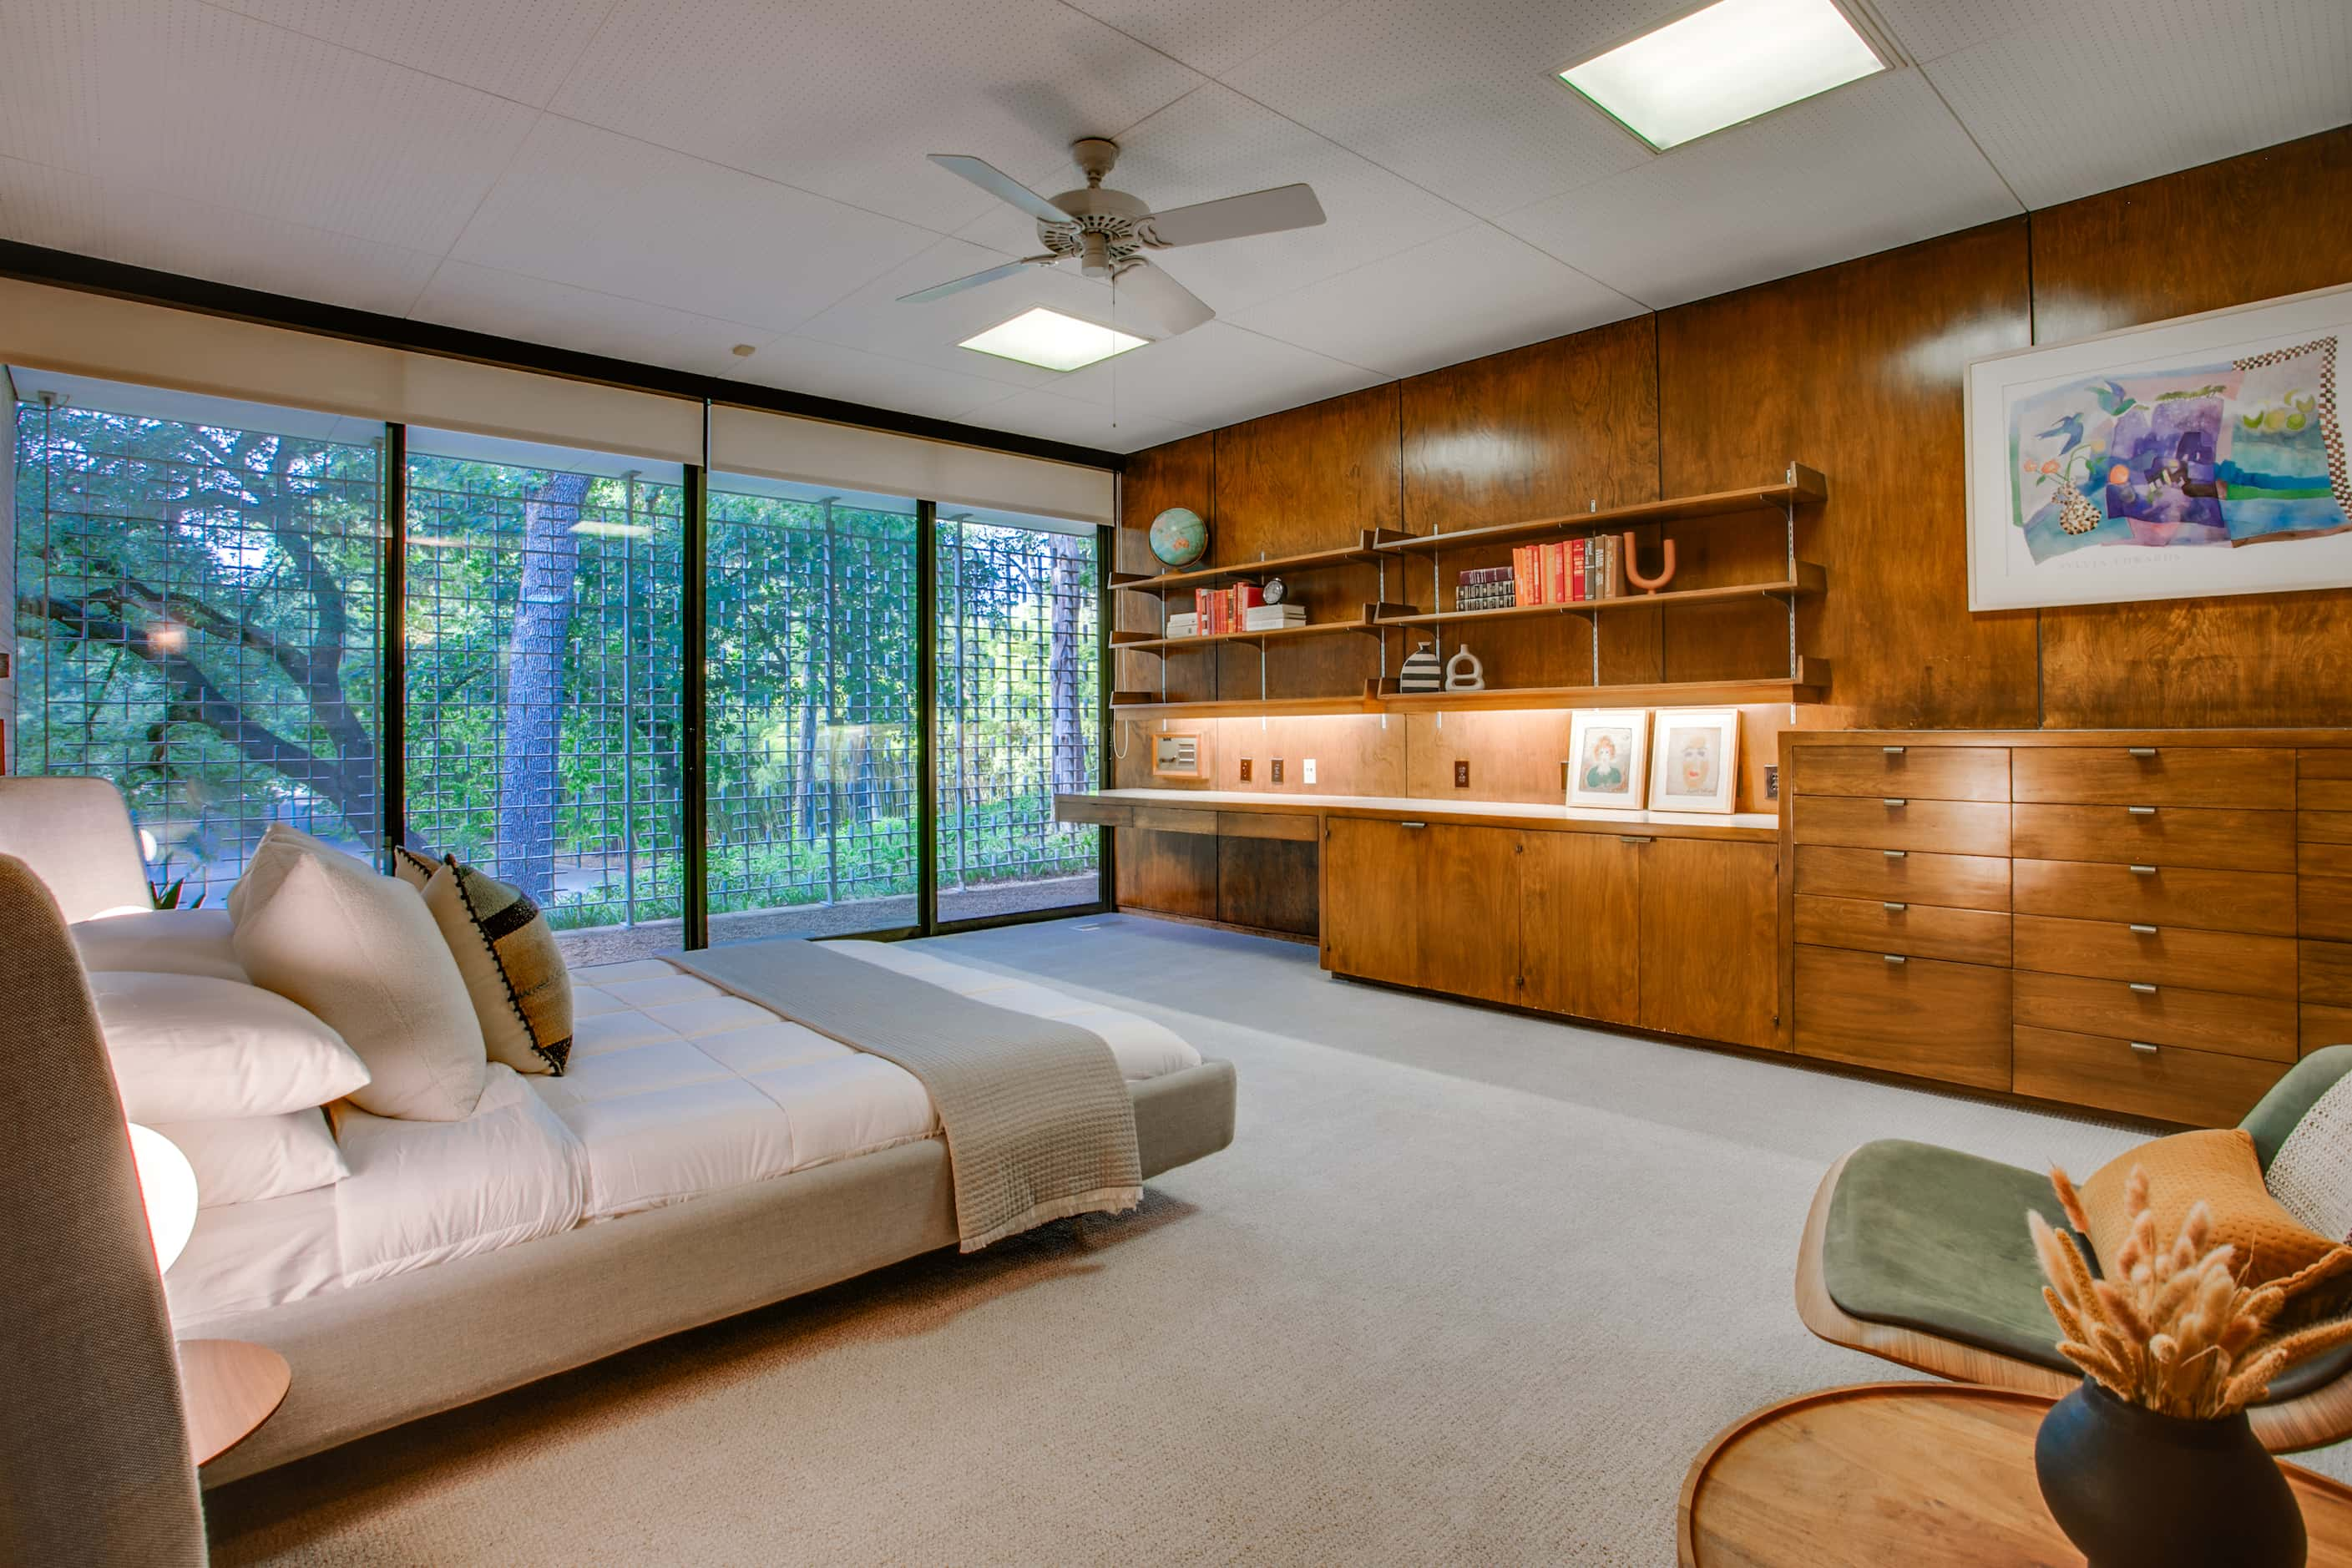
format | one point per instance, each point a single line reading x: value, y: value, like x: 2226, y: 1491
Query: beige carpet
x: 1468, y: 1287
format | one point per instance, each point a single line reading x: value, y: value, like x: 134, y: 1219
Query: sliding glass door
x: 1019, y: 716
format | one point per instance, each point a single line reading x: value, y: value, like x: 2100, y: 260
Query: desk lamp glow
x: 168, y: 1184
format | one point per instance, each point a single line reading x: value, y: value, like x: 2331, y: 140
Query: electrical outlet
x: 1308, y: 776
x: 1276, y: 774
x: 1771, y: 781
x: 1245, y: 770
x: 1462, y: 773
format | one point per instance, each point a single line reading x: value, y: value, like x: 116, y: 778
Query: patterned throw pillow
x: 506, y: 949
x: 2311, y: 1176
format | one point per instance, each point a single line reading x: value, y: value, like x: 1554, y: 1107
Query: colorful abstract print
x: 2247, y: 451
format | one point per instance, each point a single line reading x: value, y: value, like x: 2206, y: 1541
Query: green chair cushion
x: 2291, y: 1098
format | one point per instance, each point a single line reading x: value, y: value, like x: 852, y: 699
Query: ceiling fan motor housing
x: 1102, y: 231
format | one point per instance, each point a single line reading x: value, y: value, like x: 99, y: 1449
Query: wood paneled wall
x: 1855, y: 369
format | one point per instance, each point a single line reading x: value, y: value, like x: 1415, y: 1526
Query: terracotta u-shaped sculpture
x: 1634, y: 574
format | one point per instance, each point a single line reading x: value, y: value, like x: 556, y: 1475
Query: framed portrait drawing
x: 1609, y: 757
x: 1695, y: 759
x: 2203, y: 455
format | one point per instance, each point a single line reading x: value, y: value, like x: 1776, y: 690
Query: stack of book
x: 1273, y: 617
x: 1183, y: 626
x: 1488, y: 588
x: 1569, y: 571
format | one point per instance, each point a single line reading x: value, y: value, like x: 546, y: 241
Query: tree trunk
x: 1071, y: 719
x: 534, y: 707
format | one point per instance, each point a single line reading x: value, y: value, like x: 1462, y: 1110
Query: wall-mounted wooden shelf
x: 1143, y: 642
x: 1368, y: 542
x: 1150, y: 705
x: 1803, y: 487
x: 1809, y: 579
x: 1807, y: 686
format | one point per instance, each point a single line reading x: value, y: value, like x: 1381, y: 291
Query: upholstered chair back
x: 95, y: 1467
x: 76, y: 835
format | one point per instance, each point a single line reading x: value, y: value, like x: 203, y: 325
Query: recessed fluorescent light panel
x: 1722, y: 63
x: 1052, y: 340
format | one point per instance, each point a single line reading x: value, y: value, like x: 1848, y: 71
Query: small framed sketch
x: 1695, y: 759
x: 1609, y: 757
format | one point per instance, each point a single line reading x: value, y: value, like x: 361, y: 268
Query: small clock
x: 1274, y: 592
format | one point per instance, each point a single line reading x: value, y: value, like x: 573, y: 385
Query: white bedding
x: 674, y: 1089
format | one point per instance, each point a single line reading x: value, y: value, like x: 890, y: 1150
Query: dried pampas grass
x: 2169, y: 1327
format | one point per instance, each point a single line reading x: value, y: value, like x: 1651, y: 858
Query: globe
x: 1179, y: 537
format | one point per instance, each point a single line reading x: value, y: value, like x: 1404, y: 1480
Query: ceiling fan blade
x: 957, y: 285
x: 1172, y: 306
x: 1001, y: 186
x: 1231, y: 218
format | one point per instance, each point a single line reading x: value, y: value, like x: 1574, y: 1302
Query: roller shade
x: 810, y: 451
x: 96, y: 335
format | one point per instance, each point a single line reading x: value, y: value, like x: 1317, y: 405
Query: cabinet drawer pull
x: 1633, y: 838
x: 2143, y: 987
x: 2143, y: 1048
x: 1891, y: 905
x: 1895, y: 854
x: 1894, y: 750
x: 1894, y: 958
x: 2141, y: 810
x: 2143, y: 870
x: 1412, y: 825
x: 2141, y: 750
x: 2140, y: 930
x: 1892, y: 801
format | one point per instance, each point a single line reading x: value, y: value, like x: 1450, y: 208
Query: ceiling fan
x: 1105, y: 231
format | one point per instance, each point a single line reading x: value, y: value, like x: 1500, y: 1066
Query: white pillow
x: 160, y: 942
x: 362, y: 952
x: 2311, y: 1176
x: 190, y: 1047
x: 251, y: 1158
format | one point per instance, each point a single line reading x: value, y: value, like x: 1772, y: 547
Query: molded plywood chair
x: 95, y: 1466
x: 1919, y: 1254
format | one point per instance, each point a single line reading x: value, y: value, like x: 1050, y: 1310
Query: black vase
x: 2132, y: 1489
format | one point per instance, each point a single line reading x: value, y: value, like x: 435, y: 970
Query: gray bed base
x: 433, y: 1339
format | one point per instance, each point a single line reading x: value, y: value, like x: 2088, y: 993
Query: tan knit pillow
x: 506, y: 949
x: 2220, y: 1169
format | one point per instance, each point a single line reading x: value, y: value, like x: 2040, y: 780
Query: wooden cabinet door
x: 1710, y: 940
x: 1371, y: 899
x: 1579, y: 925
x: 1470, y: 911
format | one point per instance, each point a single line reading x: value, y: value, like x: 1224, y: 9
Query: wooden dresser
x: 2156, y: 922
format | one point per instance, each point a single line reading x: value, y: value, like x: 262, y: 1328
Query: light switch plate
x: 1276, y: 774
x: 1308, y: 776
x: 1245, y: 770
x: 1462, y: 773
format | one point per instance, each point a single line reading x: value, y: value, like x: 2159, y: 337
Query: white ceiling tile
x: 66, y: 211
x: 844, y: 96
x: 516, y: 48
x: 1215, y: 143
x: 1052, y: 418
x: 1476, y: 292
x: 1212, y: 375
x: 1928, y: 29
x: 1869, y: 166
x: 511, y: 305
x: 177, y: 95
x: 852, y: 375
x: 584, y: 206
x: 2100, y: 97
x: 1459, y: 97
x: 1212, y: 37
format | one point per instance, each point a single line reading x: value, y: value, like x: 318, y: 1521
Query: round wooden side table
x: 229, y: 1388
x: 1887, y: 1473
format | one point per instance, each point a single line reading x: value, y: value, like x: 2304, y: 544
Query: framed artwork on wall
x: 1695, y: 759
x: 2203, y: 455
x: 1609, y: 757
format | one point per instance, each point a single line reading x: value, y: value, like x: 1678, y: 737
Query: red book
x: 1555, y: 575
x: 1249, y: 595
x: 1525, y: 588
x: 1576, y: 584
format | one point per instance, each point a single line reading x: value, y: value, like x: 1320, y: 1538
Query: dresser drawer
x: 2325, y: 1027
x: 1955, y: 881
x: 2258, y: 901
x: 2169, y: 1083
x: 2259, y: 1026
x: 1920, y: 1016
x: 1920, y: 931
x: 2165, y: 776
x: 1295, y: 827
x: 2324, y: 826
x: 1898, y: 822
x: 1077, y: 808
x: 2327, y: 973
x: 2158, y: 835
x: 1920, y: 772
x: 2158, y: 955
x: 2324, y: 795
x: 1174, y: 820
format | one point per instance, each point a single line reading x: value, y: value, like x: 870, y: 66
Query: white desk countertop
x: 1560, y: 813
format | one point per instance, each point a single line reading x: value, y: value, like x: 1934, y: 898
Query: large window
x: 197, y: 616
x: 811, y: 705
x: 1018, y: 709
x: 544, y: 644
